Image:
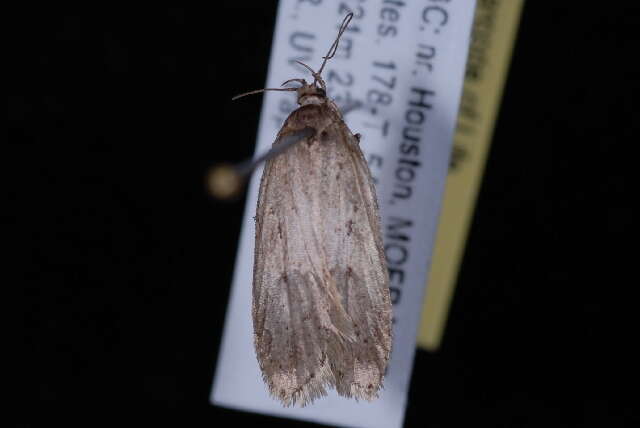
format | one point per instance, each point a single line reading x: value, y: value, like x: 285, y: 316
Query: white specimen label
x: 402, y: 62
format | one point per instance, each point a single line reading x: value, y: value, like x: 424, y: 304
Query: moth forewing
x: 321, y: 305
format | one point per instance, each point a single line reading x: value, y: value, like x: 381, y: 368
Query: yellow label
x: 494, y: 31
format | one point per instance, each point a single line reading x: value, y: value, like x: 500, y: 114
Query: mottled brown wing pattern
x: 321, y: 309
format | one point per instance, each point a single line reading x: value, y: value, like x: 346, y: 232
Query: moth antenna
x: 307, y: 67
x: 257, y: 91
x: 225, y: 181
x: 316, y: 76
x: 301, y: 81
x: 334, y: 46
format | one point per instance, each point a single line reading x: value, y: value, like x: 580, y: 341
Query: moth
x: 321, y: 306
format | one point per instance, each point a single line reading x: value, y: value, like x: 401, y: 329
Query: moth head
x: 314, y: 93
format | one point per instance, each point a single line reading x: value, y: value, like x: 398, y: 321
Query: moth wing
x: 353, y: 242
x: 321, y: 307
x: 299, y: 321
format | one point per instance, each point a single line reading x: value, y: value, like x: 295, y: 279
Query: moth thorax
x: 311, y: 99
x: 311, y: 94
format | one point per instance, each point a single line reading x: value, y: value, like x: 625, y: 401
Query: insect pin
x: 321, y: 305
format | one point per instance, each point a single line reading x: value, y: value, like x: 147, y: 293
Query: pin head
x: 224, y: 182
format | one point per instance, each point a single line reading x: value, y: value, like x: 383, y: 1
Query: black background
x: 124, y: 264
